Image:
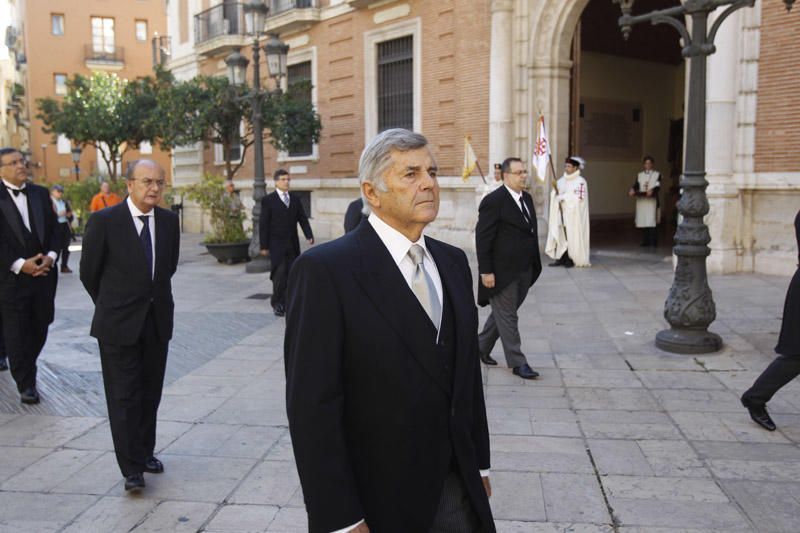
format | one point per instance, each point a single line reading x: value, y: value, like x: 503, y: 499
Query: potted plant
x: 227, y: 240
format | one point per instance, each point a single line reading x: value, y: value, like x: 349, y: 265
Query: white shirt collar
x: 397, y: 243
x: 514, y: 194
x: 135, y: 212
x: 14, y: 187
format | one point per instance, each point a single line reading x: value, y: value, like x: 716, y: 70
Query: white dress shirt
x: 517, y: 196
x: 21, y: 201
x: 151, y: 219
x: 398, y: 246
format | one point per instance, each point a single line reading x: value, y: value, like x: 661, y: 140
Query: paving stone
x: 42, y: 513
x: 270, y: 483
x: 659, y: 379
x: 192, y: 384
x: 574, y: 498
x: 672, y: 458
x: 619, y: 457
x: 530, y: 397
x: 616, y: 379
x: 289, y: 520
x: 282, y: 449
x: 772, y: 506
x: 242, y: 519
x: 176, y: 517
x: 703, y: 426
x: 707, y: 401
x: 47, y: 473
x: 197, y: 479
x: 14, y: 459
x: 555, y: 423
x: 747, y: 451
x: 188, y: 408
x: 581, y: 360
x: 513, y: 526
x: 539, y: 454
x: 517, y: 496
x: 613, y: 399
x: 112, y: 513
x: 661, y: 361
x: 259, y: 412
x: 96, y: 478
x: 755, y: 470
x: 44, y: 431
x: 509, y: 421
x: 663, y: 489
x: 680, y: 514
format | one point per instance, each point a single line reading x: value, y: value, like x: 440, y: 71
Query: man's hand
x: 488, y: 280
x: 487, y: 485
x: 631, y: 192
x: 310, y: 241
x: 360, y: 528
x: 31, y: 265
x: 44, y: 266
x: 263, y: 252
x: 650, y: 193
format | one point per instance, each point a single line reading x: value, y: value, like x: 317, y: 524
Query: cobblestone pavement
x: 615, y: 436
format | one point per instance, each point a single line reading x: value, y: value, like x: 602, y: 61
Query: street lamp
x: 690, y: 308
x: 255, y: 13
x: 76, y: 159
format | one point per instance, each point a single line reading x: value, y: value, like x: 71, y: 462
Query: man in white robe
x: 492, y: 185
x: 568, y: 229
x: 645, y: 190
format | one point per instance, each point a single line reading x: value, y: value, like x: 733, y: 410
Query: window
x: 57, y: 24
x: 60, y: 81
x: 145, y: 148
x: 299, y: 83
x: 103, y: 34
x: 236, y: 150
x: 63, y: 145
x: 141, y: 30
x: 396, y: 84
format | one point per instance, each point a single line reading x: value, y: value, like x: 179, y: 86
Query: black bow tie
x: 17, y: 191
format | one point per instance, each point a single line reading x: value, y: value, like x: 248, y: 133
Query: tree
x: 112, y: 114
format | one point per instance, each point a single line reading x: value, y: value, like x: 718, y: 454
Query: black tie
x: 144, y: 236
x: 524, y: 211
x: 17, y: 191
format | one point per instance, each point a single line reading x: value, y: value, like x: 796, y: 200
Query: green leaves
x: 226, y: 213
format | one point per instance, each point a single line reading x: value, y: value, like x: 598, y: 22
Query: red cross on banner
x: 581, y: 192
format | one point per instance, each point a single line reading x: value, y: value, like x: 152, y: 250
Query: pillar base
x: 258, y: 265
x: 688, y: 341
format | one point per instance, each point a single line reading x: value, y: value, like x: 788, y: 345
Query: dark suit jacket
x: 353, y: 216
x: 375, y: 418
x: 12, y: 247
x: 115, y: 274
x: 505, y: 242
x: 789, y: 340
x: 277, y: 227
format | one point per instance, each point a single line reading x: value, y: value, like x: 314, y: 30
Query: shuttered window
x: 396, y: 84
x: 297, y: 74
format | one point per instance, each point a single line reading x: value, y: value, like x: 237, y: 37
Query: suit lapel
x: 36, y: 210
x: 128, y: 234
x: 513, y: 212
x: 383, y: 283
x: 162, y: 250
x: 11, y: 214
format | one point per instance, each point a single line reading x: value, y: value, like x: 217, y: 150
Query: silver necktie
x: 422, y: 286
x: 285, y: 197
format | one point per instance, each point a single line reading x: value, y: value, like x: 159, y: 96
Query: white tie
x: 285, y: 196
x: 422, y: 286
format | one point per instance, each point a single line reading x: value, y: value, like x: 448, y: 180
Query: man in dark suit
x: 354, y: 215
x: 281, y: 212
x: 384, y: 389
x: 28, y: 250
x: 507, y: 243
x: 130, y: 253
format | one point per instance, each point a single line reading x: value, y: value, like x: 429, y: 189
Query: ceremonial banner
x: 541, y: 150
x: 470, y: 160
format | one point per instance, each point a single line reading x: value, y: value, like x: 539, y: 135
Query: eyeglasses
x: 147, y: 182
x: 19, y: 161
x: 519, y: 173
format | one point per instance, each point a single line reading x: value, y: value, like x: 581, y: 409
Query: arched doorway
x: 608, y: 100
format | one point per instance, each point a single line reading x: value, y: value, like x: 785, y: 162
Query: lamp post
x: 690, y: 308
x: 255, y: 16
x: 76, y: 159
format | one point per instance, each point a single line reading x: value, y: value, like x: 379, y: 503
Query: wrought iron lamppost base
x: 688, y: 341
x: 258, y: 265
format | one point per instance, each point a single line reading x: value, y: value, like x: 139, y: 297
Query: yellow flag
x: 470, y: 160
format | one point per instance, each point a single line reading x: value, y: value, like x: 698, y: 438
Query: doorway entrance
x: 626, y: 102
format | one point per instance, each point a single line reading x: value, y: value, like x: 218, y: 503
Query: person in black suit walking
x: 130, y: 253
x: 384, y: 389
x: 354, y: 215
x: 281, y: 212
x: 786, y: 366
x: 28, y: 249
x: 507, y: 243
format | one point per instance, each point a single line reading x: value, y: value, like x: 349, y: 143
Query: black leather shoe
x: 525, y: 372
x: 153, y: 466
x: 29, y: 396
x: 488, y: 360
x: 279, y: 310
x: 134, y: 483
x: 556, y: 263
x: 760, y: 416
x: 3, y: 364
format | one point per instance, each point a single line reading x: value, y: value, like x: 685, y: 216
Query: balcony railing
x: 115, y: 55
x: 279, y: 6
x: 224, y: 19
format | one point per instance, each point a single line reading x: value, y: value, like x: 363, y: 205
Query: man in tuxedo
x: 354, y: 215
x: 384, y: 389
x: 130, y: 253
x: 28, y: 249
x: 281, y: 212
x: 507, y: 243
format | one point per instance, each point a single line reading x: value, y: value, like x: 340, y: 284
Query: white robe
x: 568, y: 227
x: 489, y: 187
x: 647, y: 207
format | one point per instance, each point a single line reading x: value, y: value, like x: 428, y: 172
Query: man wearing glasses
x: 28, y: 244
x: 130, y: 253
x: 507, y: 243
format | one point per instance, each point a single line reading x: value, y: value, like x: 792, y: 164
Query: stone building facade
x: 488, y: 69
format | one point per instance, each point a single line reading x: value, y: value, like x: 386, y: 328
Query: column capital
x: 502, y: 5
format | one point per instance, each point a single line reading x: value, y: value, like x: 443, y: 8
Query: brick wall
x: 778, y: 114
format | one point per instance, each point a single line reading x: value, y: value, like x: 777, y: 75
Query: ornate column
x: 500, y: 82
